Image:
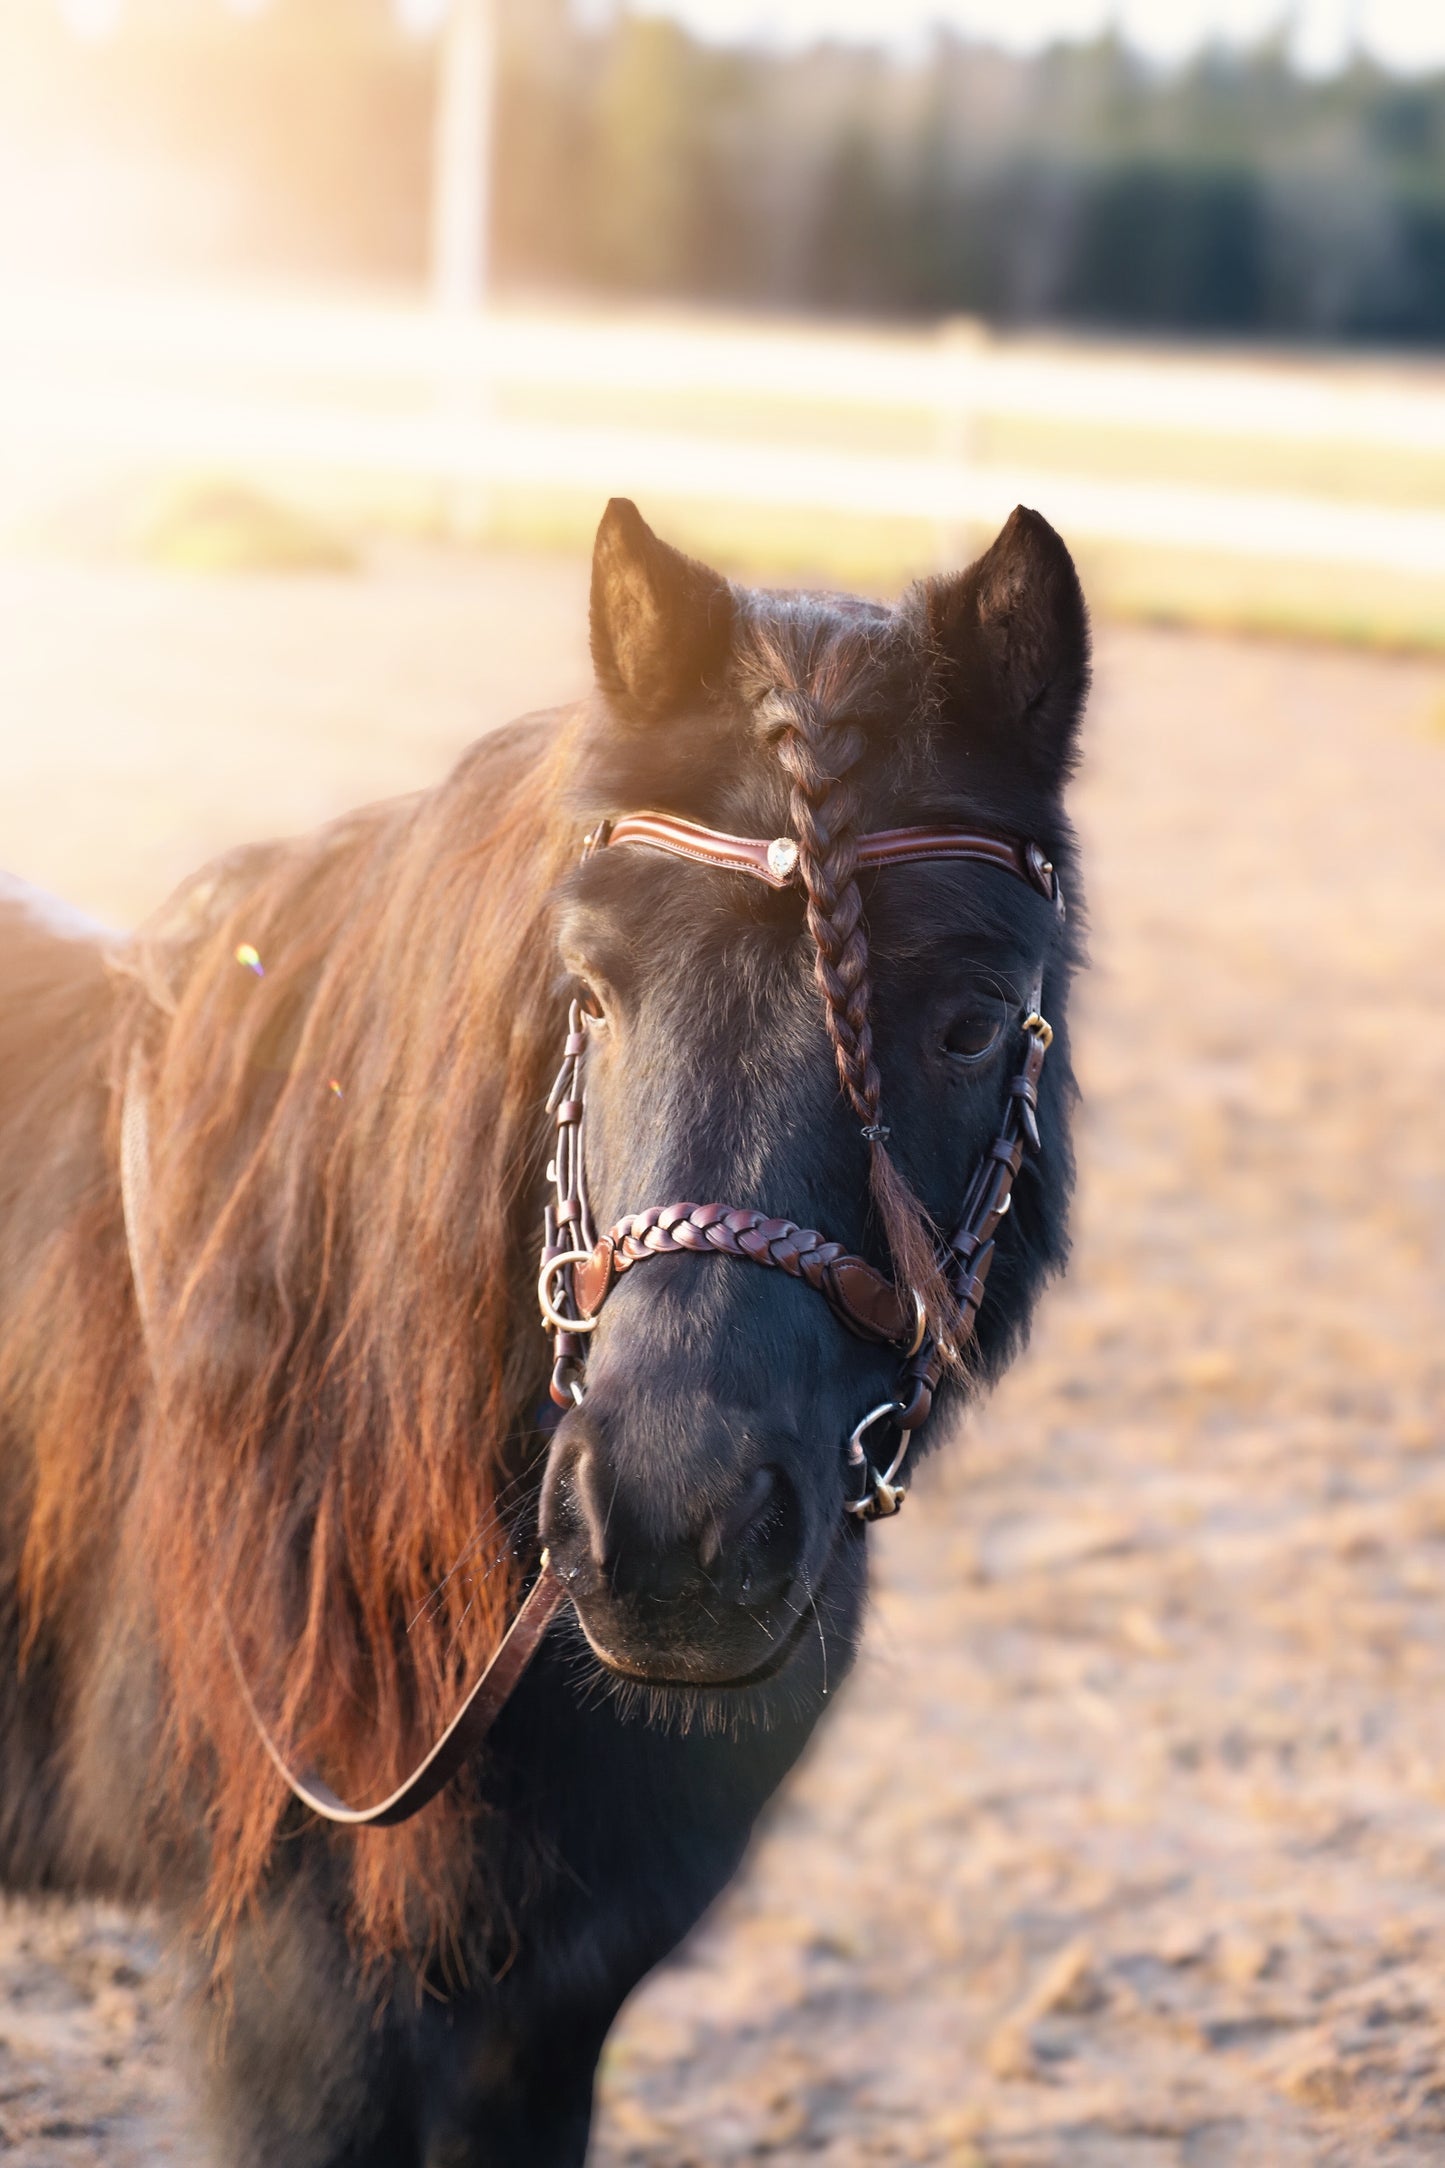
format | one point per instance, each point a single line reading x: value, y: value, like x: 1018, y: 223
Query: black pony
x: 292, y: 1423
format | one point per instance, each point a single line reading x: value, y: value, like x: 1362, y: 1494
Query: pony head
x: 836, y: 1053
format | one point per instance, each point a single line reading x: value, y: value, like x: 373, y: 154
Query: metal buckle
x: 566, y: 1383
x: 882, y: 1496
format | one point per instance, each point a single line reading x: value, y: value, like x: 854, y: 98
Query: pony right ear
x: 1010, y: 638
x: 661, y: 622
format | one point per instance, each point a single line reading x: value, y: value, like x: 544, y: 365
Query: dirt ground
x: 1126, y: 1847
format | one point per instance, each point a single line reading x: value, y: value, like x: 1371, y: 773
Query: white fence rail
x: 394, y: 392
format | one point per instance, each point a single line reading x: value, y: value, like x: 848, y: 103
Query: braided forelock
x: 819, y: 752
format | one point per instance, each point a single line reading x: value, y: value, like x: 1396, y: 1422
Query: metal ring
x: 1041, y: 1029
x: 551, y: 1316
x: 856, y: 1454
x: 920, y: 1322
x: 857, y: 1458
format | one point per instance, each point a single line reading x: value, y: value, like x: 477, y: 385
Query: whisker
x: 611, y: 1503
x: 504, y: 1507
x: 818, y: 1621
x: 460, y: 1623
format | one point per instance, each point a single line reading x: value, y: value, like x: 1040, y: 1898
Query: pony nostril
x: 613, y: 1551
x: 725, y: 1531
x: 572, y: 1522
x: 593, y: 1509
x: 750, y: 1553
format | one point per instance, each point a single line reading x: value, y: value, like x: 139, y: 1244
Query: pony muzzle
x: 684, y: 1584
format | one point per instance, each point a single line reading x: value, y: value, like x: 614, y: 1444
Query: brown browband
x: 776, y: 861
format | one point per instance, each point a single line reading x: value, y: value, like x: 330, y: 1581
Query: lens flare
x: 250, y: 959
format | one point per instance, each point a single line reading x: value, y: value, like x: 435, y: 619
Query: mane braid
x: 819, y: 754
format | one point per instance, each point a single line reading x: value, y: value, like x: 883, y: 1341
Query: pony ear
x: 661, y: 622
x: 1011, y: 641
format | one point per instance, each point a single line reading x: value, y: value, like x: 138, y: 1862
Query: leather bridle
x: 581, y: 1267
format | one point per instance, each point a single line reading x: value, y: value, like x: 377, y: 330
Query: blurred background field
x: 1223, y: 488
x: 276, y: 278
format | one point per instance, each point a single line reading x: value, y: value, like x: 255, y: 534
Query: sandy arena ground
x: 1126, y: 1847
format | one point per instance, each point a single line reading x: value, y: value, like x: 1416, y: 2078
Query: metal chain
x: 568, y: 1234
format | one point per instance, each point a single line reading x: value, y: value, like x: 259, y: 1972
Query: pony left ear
x: 1011, y: 641
x: 661, y: 622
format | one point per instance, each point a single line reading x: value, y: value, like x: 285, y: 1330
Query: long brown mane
x: 345, y: 1043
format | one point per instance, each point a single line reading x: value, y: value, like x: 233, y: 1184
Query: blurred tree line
x: 1232, y: 196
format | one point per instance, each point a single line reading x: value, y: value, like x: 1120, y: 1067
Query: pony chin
x: 793, y: 1688
x: 686, y: 1670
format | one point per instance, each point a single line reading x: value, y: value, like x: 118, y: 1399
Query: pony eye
x: 973, y: 1033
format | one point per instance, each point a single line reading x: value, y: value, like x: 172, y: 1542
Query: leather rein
x: 582, y: 1268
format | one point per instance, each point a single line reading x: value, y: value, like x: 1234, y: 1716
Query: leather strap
x: 775, y: 861
x: 971, y: 1247
x: 859, y: 1296
x: 135, y: 1184
x: 487, y: 1699
x: 462, y: 1737
x: 707, y: 846
x: 909, y: 846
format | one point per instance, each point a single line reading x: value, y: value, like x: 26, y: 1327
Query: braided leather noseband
x: 579, y: 1268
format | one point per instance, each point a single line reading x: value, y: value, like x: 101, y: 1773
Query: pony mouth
x: 640, y: 1672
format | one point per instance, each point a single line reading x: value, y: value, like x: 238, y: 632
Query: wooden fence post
x: 962, y: 343
x: 461, y: 240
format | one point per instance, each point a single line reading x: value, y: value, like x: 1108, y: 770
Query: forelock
x: 845, y: 655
